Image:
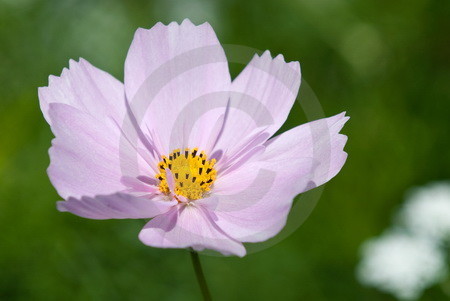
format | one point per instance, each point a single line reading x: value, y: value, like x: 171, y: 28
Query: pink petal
x: 319, y: 140
x: 86, y: 109
x: 86, y: 156
x: 141, y: 186
x: 262, y: 96
x: 177, y: 83
x: 117, y: 206
x: 251, y: 204
x: 86, y: 88
x: 243, y: 151
x: 189, y: 226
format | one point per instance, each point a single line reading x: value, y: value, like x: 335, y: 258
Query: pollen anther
x: 191, y: 164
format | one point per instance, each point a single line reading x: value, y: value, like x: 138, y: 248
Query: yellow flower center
x: 192, y: 172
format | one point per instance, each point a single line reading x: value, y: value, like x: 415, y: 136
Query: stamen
x: 195, y: 182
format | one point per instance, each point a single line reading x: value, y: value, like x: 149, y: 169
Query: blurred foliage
x: 387, y: 63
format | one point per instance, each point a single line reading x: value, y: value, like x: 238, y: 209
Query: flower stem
x: 200, y: 276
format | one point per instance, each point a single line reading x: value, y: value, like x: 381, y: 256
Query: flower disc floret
x: 192, y: 172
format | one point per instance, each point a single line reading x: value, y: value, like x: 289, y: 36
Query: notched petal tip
x: 73, y: 64
x: 186, y: 22
x: 280, y: 57
x: 339, y: 121
x: 266, y: 59
x: 266, y: 55
x: 343, y: 114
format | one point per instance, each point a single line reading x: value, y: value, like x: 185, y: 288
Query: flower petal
x: 86, y: 88
x: 319, y: 140
x: 177, y: 82
x: 189, y: 226
x: 117, y: 206
x: 86, y: 157
x: 251, y: 204
x: 261, y: 97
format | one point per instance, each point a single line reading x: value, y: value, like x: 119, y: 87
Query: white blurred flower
x: 400, y: 264
x: 427, y: 211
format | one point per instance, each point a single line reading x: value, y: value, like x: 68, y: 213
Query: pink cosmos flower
x: 182, y: 144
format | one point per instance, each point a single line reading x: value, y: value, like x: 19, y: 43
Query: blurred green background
x: 387, y: 63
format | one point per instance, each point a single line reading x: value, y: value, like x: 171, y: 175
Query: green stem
x: 200, y: 276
